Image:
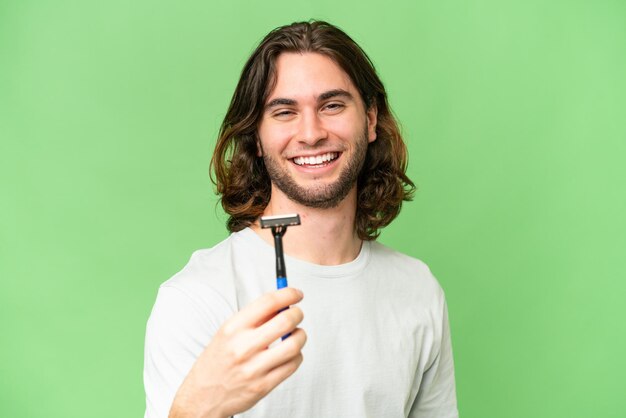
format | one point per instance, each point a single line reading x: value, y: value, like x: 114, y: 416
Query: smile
x: 316, y: 159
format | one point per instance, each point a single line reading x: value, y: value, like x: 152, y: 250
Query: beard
x: 322, y: 196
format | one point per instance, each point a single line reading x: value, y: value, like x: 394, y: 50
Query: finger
x: 264, y: 307
x: 263, y: 320
x: 249, y: 342
x: 277, y: 375
x: 281, y: 324
x: 283, y: 352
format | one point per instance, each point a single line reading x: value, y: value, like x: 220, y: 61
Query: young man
x: 308, y: 131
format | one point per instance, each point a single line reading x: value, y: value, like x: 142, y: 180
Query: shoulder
x: 203, y: 262
x: 381, y: 252
x: 205, y: 283
x: 406, y: 272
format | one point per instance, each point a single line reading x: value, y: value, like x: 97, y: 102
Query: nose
x: 311, y: 129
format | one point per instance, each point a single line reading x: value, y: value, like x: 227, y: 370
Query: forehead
x: 307, y: 75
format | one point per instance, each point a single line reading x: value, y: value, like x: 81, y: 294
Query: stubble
x: 322, y: 196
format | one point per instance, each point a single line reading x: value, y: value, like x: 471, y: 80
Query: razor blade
x: 280, y: 220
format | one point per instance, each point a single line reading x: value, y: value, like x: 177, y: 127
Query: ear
x: 372, y: 120
x: 259, y: 148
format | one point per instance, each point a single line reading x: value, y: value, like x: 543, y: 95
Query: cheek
x: 347, y: 129
x: 275, y: 137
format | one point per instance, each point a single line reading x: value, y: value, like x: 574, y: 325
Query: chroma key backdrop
x: 515, y: 117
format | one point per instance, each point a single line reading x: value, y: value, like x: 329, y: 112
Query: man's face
x: 314, y: 131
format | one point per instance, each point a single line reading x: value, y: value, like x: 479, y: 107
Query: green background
x: 515, y: 117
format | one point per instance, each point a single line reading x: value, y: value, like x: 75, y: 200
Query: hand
x: 237, y: 369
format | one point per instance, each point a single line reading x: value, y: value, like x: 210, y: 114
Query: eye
x: 333, y: 107
x: 283, y: 113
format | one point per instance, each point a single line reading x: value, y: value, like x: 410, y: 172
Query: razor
x: 279, y: 224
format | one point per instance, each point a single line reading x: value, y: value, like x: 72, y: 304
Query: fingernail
x: 299, y: 292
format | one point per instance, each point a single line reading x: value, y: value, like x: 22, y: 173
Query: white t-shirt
x: 378, y: 338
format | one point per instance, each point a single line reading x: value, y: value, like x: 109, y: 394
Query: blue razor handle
x: 281, y: 282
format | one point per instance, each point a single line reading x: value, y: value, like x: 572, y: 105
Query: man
x: 308, y: 131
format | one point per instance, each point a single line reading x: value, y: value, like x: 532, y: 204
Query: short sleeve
x: 177, y: 332
x: 437, y: 394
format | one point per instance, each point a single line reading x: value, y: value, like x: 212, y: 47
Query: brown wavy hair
x: 239, y: 173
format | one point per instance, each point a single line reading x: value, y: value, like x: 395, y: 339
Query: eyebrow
x: 280, y: 101
x: 334, y: 93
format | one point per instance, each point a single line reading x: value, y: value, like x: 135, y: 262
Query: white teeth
x: 316, y: 160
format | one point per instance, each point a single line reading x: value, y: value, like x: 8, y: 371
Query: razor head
x: 276, y: 221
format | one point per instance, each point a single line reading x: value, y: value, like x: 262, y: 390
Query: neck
x: 325, y: 236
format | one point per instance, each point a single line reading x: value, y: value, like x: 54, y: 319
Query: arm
x: 437, y: 394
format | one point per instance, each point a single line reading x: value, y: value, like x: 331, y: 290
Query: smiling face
x: 314, y: 131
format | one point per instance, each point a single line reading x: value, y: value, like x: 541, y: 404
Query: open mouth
x: 316, y: 160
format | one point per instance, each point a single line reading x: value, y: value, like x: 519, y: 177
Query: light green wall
x: 515, y: 116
